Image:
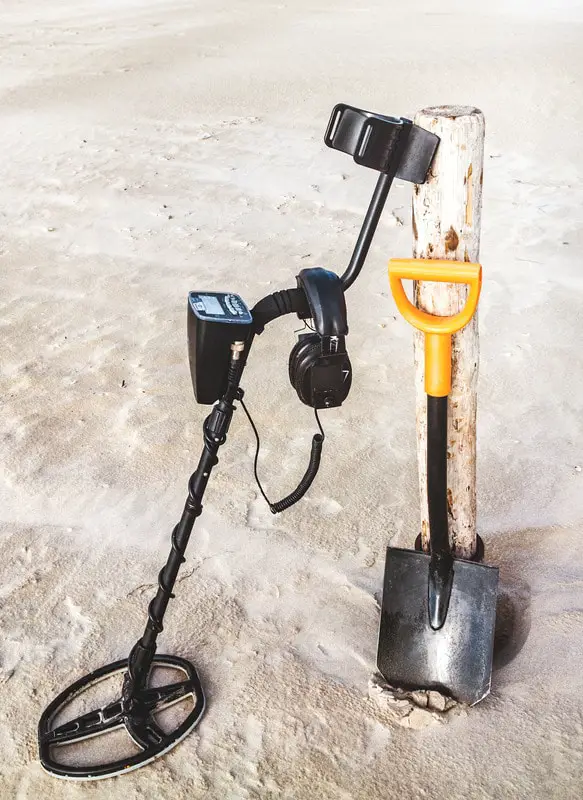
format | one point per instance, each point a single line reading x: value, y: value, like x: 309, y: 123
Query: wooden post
x: 446, y: 224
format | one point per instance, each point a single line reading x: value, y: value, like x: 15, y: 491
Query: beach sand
x: 151, y: 148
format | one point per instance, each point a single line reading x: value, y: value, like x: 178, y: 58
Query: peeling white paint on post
x: 446, y: 224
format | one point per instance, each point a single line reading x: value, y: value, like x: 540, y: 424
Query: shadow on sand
x: 513, y: 612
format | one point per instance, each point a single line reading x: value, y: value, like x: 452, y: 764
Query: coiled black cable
x: 309, y: 475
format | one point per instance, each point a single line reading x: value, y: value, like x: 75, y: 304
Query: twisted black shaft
x: 216, y: 427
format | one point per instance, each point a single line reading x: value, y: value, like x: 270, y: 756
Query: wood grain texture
x: 446, y: 224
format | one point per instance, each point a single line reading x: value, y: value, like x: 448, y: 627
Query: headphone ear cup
x: 293, y: 356
x: 304, y: 354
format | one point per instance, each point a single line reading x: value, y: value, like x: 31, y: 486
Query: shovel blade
x: 456, y: 659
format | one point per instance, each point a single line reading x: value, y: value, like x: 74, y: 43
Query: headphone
x: 319, y: 367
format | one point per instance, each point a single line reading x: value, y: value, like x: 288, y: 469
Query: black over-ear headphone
x: 319, y: 367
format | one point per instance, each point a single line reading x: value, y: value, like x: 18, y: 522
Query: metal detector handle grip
x: 438, y: 330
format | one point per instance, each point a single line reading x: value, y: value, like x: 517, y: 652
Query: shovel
x: 438, y: 612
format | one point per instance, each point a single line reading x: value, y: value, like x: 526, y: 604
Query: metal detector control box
x: 215, y: 321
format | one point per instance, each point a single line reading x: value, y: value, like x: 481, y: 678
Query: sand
x: 151, y: 148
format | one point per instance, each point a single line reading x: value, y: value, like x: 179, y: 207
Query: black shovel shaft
x: 441, y: 562
x: 437, y: 475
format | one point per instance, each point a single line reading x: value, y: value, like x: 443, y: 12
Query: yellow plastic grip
x: 437, y: 330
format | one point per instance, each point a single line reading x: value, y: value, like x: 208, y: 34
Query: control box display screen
x: 219, y: 307
x: 209, y: 304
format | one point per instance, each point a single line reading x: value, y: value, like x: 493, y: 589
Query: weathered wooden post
x: 446, y: 224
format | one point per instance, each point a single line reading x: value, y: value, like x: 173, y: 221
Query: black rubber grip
x: 286, y: 301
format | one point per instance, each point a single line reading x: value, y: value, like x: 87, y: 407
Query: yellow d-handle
x: 437, y: 330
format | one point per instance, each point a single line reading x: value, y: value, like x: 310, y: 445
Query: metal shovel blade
x: 456, y: 659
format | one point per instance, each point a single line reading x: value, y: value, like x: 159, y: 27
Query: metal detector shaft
x: 368, y: 230
x: 216, y: 427
x: 390, y: 145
